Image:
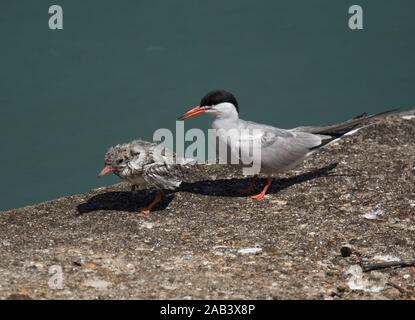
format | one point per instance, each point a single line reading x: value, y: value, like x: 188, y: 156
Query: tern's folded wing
x: 281, y: 148
x: 163, y: 175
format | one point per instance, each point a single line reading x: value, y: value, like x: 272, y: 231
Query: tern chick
x: 145, y: 163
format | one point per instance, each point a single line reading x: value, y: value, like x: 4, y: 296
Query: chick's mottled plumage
x: 145, y: 163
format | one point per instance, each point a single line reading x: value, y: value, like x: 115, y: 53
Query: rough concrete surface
x: 352, y: 203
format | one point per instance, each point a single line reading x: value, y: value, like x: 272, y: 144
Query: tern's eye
x: 119, y: 161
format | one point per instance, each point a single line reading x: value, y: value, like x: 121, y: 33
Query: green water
x: 121, y: 69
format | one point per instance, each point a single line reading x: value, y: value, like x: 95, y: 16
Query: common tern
x: 281, y: 149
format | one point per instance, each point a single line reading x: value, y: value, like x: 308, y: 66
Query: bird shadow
x: 133, y: 202
x: 229, y: 187
x: 124, y: 201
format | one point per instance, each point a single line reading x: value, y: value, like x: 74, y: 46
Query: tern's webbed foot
x: 262, y: 194
x: 258, y: 196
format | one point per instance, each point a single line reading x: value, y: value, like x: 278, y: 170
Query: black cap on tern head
x: 218, y: 96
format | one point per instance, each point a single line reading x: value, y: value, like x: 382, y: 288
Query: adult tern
x: 281, y: 149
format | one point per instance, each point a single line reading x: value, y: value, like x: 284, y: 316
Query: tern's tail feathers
x: 335, y: 132
x: 339, y: 129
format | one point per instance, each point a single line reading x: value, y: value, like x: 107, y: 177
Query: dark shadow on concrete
x: 124, y: 201
x: 229, y: 187
x: 128, y: 201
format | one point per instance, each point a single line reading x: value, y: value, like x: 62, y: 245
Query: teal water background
x: 121, y: 69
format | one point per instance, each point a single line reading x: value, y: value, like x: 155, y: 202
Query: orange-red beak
x: 105, y: 171
x: 194, y: 112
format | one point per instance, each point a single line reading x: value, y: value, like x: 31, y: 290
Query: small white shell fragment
x: 373, y: 215
x: 249, y: 250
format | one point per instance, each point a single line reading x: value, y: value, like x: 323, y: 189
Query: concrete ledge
x: 206, y: 241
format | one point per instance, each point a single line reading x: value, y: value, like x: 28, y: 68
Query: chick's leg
x: 151, y: 205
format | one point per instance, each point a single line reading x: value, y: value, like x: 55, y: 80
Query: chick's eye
x: 119, y: 161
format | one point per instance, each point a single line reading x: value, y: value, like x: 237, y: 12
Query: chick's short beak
x: 194, y: 112
x: 105, y: 171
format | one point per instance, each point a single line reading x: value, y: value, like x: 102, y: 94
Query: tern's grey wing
x: 284, y: 153
x: 270, y: 135
x: 163, y: 175
x: 282, y: 149
x: 267, y: 134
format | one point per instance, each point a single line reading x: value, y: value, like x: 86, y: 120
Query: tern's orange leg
x: 151, y: 205
x: 251, y: 187
x: 260, y: 195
